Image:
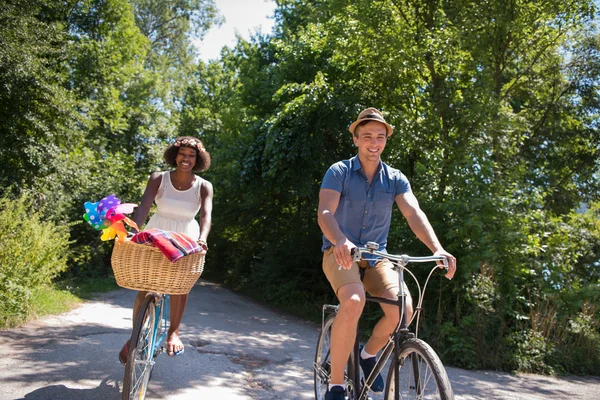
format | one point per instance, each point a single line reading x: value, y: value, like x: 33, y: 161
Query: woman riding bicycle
x: 355, y: 207
x: 179, y: 195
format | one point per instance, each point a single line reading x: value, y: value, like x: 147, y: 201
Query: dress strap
x: 163, y: 184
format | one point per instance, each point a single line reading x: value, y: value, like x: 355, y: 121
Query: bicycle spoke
x: 141, y: 359
x: 420, y: 373
x: 322, y: 364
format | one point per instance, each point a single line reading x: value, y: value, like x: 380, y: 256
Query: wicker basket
x: 143, y: 267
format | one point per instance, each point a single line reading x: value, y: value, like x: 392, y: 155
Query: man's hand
x: 451, y: 262
x: 342, y: 254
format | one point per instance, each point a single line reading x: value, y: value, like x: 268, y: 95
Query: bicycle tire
x: 322, y: 365
x: 141, y: 358
x: 430, y: 382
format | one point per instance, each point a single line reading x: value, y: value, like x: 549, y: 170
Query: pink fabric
x: 172, y: 244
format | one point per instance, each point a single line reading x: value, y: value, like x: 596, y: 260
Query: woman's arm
x: 141, y: 213
x: 205, y: 219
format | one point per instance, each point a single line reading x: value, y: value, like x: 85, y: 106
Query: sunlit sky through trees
x: 243, y: 17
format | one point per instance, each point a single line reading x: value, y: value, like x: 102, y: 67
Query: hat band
x: 373, y: 116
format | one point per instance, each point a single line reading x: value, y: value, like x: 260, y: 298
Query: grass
x: 47, y: 300
x: 44, y: 300
x: 88, y: 287
x: 58, y: 298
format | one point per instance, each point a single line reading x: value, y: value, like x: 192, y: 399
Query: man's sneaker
x: 336, y: 393
x: 367, y: 365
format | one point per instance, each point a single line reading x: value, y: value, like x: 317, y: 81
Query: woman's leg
x: 174, y: 344
x: 137, y: 303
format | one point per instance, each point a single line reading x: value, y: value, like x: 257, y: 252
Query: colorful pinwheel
x: 108, y: 216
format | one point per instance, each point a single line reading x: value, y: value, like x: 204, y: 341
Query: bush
x: 530, y: 352
x: 578, y: 348
x: 32, y: 252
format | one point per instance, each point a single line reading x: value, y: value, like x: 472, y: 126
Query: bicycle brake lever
x: 355, y: 253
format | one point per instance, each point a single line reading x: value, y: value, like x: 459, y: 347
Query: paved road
x: 235, y: 350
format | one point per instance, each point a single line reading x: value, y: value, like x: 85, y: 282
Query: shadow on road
x: 104, y: 391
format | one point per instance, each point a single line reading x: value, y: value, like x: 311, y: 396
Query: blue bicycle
x: 145, y: 268
x: 149, y: 332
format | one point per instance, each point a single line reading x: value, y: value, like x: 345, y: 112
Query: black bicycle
x: 415, y: 370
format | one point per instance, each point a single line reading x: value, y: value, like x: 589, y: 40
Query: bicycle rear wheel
x: 141, y: 358
x: 322, y: 364
x: 422, y: 374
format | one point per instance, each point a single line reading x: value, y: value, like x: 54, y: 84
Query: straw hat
x: 371, y: 114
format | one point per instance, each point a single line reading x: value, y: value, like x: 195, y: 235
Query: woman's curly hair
x: 202, y: 156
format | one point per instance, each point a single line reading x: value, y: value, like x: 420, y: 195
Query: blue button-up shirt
x: 364, y: 212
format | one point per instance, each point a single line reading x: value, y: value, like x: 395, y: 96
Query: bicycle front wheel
x: 141, y: 358
x: 421, y: 372
x: 322, y: 365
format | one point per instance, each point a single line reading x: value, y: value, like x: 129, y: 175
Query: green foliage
x: 495, y: 107
x: 494, y: 127
x: 37, y: 112
x: 579, y: 352
x: 32, y: 252
x: 460, y: 350
x: 529, y: 351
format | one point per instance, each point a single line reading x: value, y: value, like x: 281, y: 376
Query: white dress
x: 177, y: 209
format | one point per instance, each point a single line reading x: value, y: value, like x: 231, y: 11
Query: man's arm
x: 328, y: 202
x: 419, y: 224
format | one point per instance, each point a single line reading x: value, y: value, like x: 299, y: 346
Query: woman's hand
x: 203, y: 245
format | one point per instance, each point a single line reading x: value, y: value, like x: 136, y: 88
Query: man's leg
x: 178, y: 302
x: 382, y: 281
x: 343, y: 331
x: 386, y: 325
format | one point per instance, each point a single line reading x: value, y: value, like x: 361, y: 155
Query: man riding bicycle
x: 355, y: 207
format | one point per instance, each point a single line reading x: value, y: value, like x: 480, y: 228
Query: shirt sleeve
x: 402, y: 184
x: 334, y: 178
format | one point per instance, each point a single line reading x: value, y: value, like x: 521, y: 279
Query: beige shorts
x: 377, y: 279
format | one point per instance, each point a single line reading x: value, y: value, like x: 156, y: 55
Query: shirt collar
x: 356, y: 165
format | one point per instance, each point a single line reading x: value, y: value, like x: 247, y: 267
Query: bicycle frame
x: 162, y: 316
x: 401, y: 332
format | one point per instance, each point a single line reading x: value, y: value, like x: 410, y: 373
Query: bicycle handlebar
x: 403, y: 259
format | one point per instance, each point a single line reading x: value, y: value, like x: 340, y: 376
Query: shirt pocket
x: 384, y: 198
x: 383, y: 205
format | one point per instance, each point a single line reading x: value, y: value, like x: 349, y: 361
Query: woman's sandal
x: 170, y: 343
x: 124, y: 353
x: 177, y: 353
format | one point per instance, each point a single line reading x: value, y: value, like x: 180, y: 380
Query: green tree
x: 37, y: 112
x: 493, y: 105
